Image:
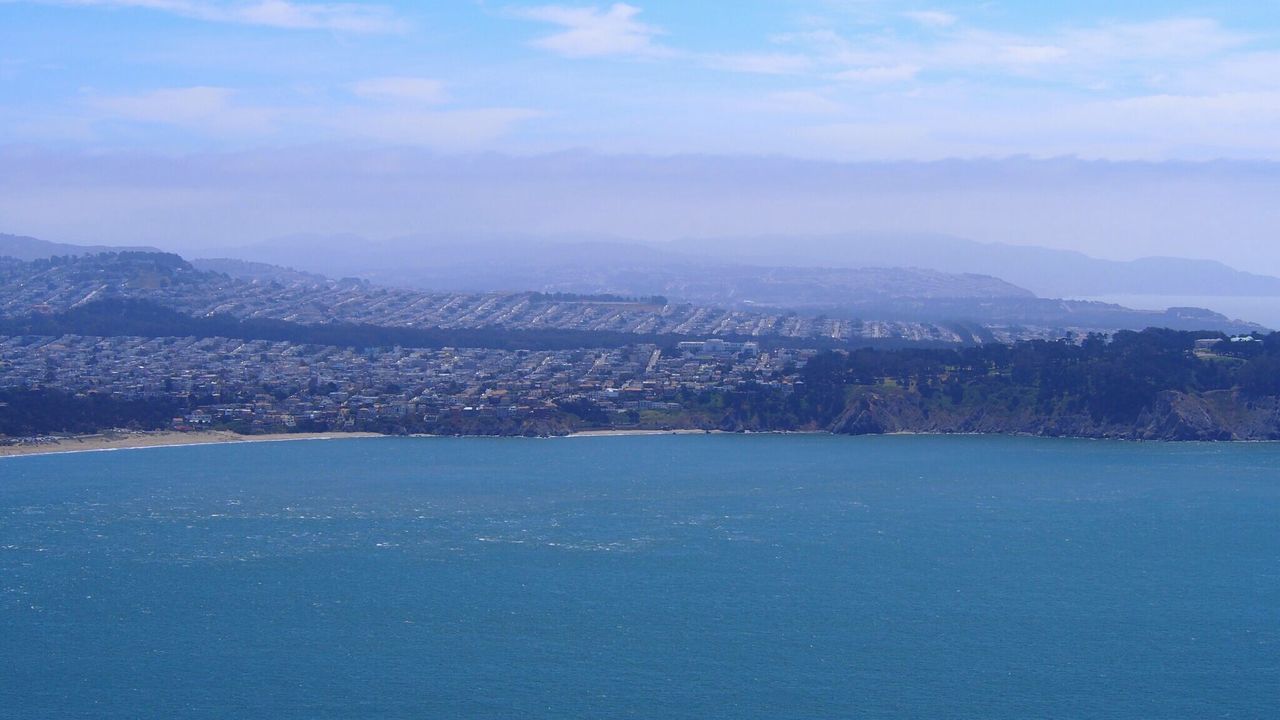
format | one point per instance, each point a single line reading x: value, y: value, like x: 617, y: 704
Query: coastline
x: 690, y: 431
x: 140, y: 440
x: 625, y: 433
x: 100, y: 442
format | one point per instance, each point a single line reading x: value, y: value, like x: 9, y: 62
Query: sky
x: 1173, y: 102
x: 840, y: 79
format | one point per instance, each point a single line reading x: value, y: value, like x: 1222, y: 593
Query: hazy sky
x: 149, y: 112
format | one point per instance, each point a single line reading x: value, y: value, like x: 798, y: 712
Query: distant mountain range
x: 247, y: 270
x: 595, y: 266
x: 604, y: 264
x: 750, y: 274
x: 1045, y: 271
x: 29, y: 248
x: 804, y: 275
x: 610, y: 264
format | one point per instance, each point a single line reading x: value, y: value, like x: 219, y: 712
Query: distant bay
x: 703, y: 576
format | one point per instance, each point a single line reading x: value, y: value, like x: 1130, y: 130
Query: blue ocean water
x: 643, y: 577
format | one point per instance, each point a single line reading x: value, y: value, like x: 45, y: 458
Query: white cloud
x: 883, y: 74
x: 442, y: 130
x: 215, y: 112
x: 763, y: 63
x: 1094, y: 59
x: 1218, y: 122
x: 1029, y: 54
x: 1168, y: 39
x: 425, y: 91
x: 936, y: 124
x: 288, y: 14
x: 932, y: 18
x: 1158, y: 89
x: 206, y: 109
x: 1236, y: 72
x: 594, y: 32
x: 1089, y: 57
x: 806, y: 102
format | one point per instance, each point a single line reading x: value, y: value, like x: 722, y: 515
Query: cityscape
x: 259, y: 387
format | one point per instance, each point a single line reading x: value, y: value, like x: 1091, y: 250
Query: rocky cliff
x: 1217, y: 415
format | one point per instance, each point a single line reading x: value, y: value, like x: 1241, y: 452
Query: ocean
x: 719, y: 576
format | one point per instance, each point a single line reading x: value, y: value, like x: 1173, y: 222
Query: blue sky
x: 831, y: 79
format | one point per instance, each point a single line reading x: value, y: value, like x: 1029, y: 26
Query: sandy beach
x: 690, y: 431
x: 135, y: 440
x: 166, y: 438
x: 620, y: 433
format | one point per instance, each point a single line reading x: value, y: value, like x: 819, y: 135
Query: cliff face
x: 1218, y: 415
x: 1179, y: 416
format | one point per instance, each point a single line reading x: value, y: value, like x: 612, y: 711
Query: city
x: 260, y: 387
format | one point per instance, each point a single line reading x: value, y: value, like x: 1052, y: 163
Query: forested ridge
x: 1135, y: 384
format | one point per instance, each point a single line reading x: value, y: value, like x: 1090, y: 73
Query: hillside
x: 607, y: 265
x: 1045, y: 271
x: 870, y: 303
x: 1151, y: 385
x: 783, y: 274
x: 22, y: 247
x: 64, y: 283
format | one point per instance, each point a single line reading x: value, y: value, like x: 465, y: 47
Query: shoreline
x: 689, y: 431
x: 626, y: 433
x: 141, y: 440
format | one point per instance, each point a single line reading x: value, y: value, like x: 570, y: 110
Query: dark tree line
x: 37, y: 412
x: 1111, y: 380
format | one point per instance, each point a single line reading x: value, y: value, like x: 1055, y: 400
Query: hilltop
x: 61, y: 283
x: 21, y: 247
x: 612, y: 264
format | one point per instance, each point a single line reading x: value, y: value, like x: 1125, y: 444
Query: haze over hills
x: 609, y: 265
x: 611, y: 268
x: 248, y: 270
x: 23, y: 247
x: 600, y: 263
x: 507, y: 260
x: 1047, y: 272
x: 1119, y: 210
x: 469, y: 262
